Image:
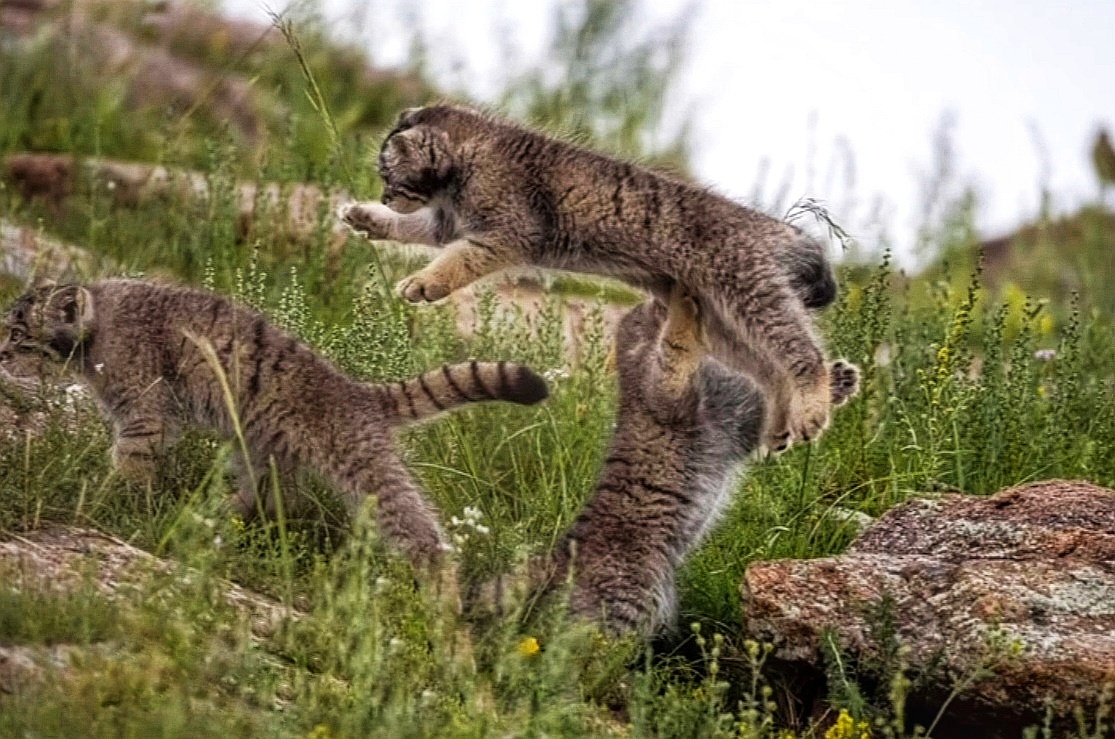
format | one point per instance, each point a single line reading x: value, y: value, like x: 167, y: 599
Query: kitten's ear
x: 76, y: 304
x: 405, y: 117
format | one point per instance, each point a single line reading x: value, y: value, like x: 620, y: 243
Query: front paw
x: 419, y: 288
x: 134, y: 464
x: 370, y: 220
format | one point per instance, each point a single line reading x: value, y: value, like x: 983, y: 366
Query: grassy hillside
x: 956, y: 397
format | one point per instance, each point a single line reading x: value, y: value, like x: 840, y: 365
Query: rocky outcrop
x: 65, y: 559
x: 1001, y: 606
x: 68, y: 557
x: 26, y: 253
x: 295, y: 211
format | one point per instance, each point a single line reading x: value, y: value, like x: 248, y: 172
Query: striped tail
x: 443, y: 389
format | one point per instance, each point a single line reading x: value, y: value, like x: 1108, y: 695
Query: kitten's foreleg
x: 135, y: 449
x: 376, y: 221
x: 462, y: 263
x: 680, y: 345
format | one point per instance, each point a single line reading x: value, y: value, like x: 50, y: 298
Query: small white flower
x: 111, y: 185
x: 555, y: 374
x: 1045, y: 355
x: 482, y: 529
x: 99, y: 367
x: 218, y: 541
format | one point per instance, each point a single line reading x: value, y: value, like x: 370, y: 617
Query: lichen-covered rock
x: 68, y: 560
x: 65, y: 558
x: 1010, y: 598
x: 26, y: 254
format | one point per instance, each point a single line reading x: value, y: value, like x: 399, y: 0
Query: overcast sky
x: 795, y: 85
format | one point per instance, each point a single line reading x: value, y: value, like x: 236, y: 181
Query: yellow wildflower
x: 846, y: 727
x: 529, y: 646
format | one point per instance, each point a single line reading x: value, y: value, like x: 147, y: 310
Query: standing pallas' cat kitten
x: 142, y: 350
x: 496, y: 194
x: 684, y: 424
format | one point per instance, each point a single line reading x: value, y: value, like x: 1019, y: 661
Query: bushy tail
x: 443, y: 389
x: 811, y: 273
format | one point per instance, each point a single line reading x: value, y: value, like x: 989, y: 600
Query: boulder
x: 68, y: 559
x: 26, y: 254
x: 998, y: 608
x: 297, y: 211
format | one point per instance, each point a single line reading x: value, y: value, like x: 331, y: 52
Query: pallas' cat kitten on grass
x: 148, y: 353
x: 496, y: 194
x: 684, y: 423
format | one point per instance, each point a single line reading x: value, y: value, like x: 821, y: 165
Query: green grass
x: 953, y: 398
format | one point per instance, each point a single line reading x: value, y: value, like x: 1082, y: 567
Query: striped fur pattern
x: 139, y: 347
x: 495, y: 194
x: 685, y: 422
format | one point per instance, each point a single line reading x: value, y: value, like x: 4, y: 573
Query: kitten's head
x: 51, y: 321
x: 420, y: 158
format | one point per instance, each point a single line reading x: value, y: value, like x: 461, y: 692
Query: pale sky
x: 795, y: 85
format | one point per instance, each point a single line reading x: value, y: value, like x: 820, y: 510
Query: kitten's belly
x: 633, y: 271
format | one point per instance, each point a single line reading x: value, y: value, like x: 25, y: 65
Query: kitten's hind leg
x: 845, y: 381
x: 774, y: 344
x: 462, y: 263
x: 257, y: 489
x: 141, y: 429
x: 810, y: 271
x: 404, y: 516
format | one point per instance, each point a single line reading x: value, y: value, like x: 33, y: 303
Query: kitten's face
x: 48, y: 322
x: 416, y: 162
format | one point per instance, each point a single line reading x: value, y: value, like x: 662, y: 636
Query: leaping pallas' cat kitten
x: 684, y: 423
x: 496, y: 194
x: 138, y: 346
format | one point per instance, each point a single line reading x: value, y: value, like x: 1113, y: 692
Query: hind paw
x: 803, y: 417
x: 844, y: 381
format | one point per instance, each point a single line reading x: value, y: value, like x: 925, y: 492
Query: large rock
x: 297, y: 211
x: 67, y: 559
x: 1005, y: 603
x: 26, y: 253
